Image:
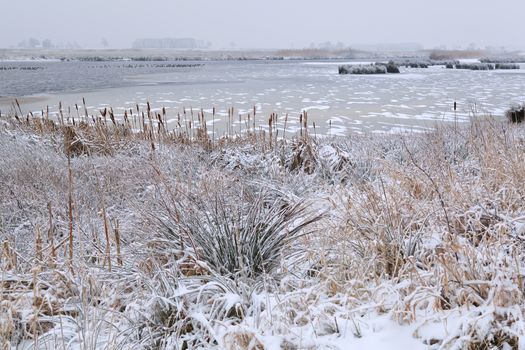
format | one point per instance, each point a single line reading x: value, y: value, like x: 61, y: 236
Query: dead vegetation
x: 124, y: 234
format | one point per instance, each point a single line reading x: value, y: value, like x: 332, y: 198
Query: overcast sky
x: 266, y: 24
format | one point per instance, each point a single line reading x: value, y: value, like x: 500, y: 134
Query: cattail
x: 205, y: 127
x: 112, y: 116
x: 192, y: 122
x: 301, y: 124
x: 51, y: 236
x: 70, y: 210
x: 305, y: 119
x: 60, y: 113
x: 78, y: 113
x: 38, y: 244
x: 213, y: 125
x: 9, y: 258
x: 107, y: 257
x: 18, y: 105
x: 117, y: 242
x: 159, y: 124
x: 85, y: 108
x: 254, y: 111
x: 270, y: 121
x: 227, y: 131
x: 285, y: 122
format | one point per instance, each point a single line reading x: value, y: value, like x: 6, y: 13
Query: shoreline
x: 244, y: 54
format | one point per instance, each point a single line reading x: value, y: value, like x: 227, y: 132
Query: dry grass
x: 455, y: 54
x: 425, y: 229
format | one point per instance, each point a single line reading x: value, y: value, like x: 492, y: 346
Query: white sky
x: 268, y: 23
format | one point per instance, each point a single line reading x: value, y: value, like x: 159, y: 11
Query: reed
x: 215, y: 243
x: 516, y: 114
x: 475, y: 66
x: 70, y: 211
x: 116, y: 232
x: 51, y: 237
x: 507, y: 66
x: 107, y: 132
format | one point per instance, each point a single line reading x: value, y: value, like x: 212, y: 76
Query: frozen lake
x: 413, y: 100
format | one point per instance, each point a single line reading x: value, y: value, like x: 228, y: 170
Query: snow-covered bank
x: 149, y: 240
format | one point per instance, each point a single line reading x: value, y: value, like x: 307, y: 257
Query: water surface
x: 413, y: 100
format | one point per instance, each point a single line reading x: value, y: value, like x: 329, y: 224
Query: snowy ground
x: 404, y: 241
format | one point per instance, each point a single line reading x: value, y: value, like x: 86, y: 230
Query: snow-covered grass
x: 512, y: 59
x: 507, y: 66
x: 375, y: 68
x: 516, y: 114
x: 363, y: 69
x: 475, y: 66
x: 154, y: 240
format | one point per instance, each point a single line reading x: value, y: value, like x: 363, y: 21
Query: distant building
x: 170, y: 43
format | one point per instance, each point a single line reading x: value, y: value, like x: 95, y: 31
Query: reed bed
x: 507, y: 66
x: 424, y: 63
x: 475, y: 66
x: 125, y: 234
x: 487, y: 66
x: 503, y: 60
x: 376, y: 68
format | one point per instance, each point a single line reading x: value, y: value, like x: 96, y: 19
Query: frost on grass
x: 376, y: 68
x: 362, y: 69
x: 145, y: 241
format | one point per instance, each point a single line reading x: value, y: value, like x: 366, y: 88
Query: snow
x: 382, y: 268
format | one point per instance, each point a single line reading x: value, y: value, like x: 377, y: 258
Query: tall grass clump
x: 362, y: 69
x: 507, y: 66
x: 475, y: 66
x: 375, y: 68
x: 240, y: 234
x: 516, y: 59
x: 417, y: 65
x: 391, y: 67
x: 516, y: 114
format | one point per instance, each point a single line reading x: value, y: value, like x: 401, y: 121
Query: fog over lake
x: 265, y: 24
